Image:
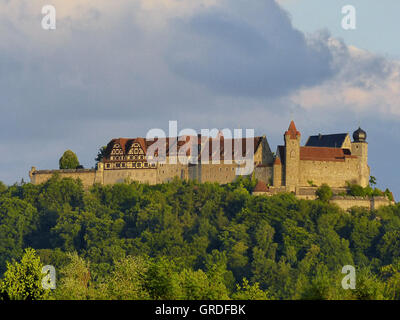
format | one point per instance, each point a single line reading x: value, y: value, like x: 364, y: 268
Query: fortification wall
x: 333, y: 173
x: 87, y: 176
x: 347, y: 202
x: 140, y: 175
x: 221, y: 173
x: 167, y: 172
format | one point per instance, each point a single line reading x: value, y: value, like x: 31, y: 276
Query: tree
x: 249, y: 292
x: 23, y: 281
x: 127, y: 280
x: 324, y: 193
x: 372, y: 180
x: 75, y: 280
x: 17, y: 220
x: 3, y: 187
x: 101, y: 154
x: 69, y: 160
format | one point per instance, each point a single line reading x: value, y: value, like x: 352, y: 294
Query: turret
x: 292, y: 150
x: 359, y: 148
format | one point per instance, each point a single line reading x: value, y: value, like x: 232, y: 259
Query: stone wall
x: 333, y: 173
x: 347, y: 202
x: 221, y: 173
x: 87, y: 176
x: 264, y: 173
x: 141, y: 175
x: 167, y: 172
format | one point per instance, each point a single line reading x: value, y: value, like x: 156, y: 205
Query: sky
x: 120, y: 68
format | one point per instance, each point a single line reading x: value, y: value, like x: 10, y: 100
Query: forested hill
x: 185, y: 240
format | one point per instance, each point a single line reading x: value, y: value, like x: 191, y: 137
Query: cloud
x: 365, y: 83
x: 225, y: 51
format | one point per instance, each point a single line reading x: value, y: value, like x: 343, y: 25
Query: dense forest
x: 185, y: 240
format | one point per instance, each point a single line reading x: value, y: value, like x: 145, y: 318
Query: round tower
x: 359, y: 148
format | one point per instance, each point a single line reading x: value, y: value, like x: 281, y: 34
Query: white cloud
x: 366, y: 83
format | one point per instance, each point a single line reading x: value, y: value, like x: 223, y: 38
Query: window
x: 146, y: 165
x: 123, y: 165
x: 108, y: 165
x: 118, y: 165
x: 139, y: 164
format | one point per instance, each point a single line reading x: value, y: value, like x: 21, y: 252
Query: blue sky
x: 377, y: 22
x: 119, y: 68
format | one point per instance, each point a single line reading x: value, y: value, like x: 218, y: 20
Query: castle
x: 331, y: 159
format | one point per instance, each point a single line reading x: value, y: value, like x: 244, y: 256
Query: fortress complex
x: 332, y: 159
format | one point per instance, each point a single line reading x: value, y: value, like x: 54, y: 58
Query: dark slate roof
x: 281, y: 154
x: 327, y: 140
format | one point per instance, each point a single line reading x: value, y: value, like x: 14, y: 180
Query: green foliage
x: 101, y: 154
x: 358, y: 191
x: 324, y: 193
x: 372, y: 180
x: 69, y: 160
x: 17, y: 220
x: 311, y: 183
x: 388, y: 194
x: 75, y: 280
x: 249, y: 292
x: 23, y: 280
x: 185, y: 240
x: 3, y: 187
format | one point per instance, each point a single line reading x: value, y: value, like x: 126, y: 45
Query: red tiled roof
x: 292, y: 131
x: 324, y: 154
x: 277, y: 161
x: 175, y: 142
x: 234, y: 143
x: 260, y: 187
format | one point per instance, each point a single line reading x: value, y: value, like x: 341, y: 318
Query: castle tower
x: 292, y: 155
x: 277, y: 173
x: 359, y: 147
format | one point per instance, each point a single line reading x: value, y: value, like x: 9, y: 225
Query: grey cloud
x: 218, y: 49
